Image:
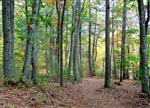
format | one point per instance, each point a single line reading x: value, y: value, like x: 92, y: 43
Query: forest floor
x: 89, y: 93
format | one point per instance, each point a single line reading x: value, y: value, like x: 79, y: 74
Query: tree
x: 78, y: 12
x: 61, y: 44
x: 30, y: 57
x: 143, y: 50
x: 80, y: 44
x: 113, y: 45
x: 58, y: 8
x: 46, y: 32
x: 123, y: 58
x: 94, y: 54
x: 107, y: 46
x: 89, y: 47
x: 72, y: 42
x: 8, y: 33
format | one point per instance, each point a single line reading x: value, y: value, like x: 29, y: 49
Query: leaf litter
x: 89, y: 93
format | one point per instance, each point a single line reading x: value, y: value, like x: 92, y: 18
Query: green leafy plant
x: 11, y: 106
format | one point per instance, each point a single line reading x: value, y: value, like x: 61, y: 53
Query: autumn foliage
x: 22, y: 53
x: 30, y: 26
x: 49, y: 2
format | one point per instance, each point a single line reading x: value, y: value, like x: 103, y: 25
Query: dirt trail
x: 89, y: 93
x: 94, y: 95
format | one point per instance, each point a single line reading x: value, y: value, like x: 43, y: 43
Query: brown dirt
x: 89, y: 93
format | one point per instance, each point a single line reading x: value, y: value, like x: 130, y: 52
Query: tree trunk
x: 94, y: 46
x: 8, y: 34
x: 61, y: 44
x: 143, y: 52
x: 123, y: 58
x: 51, y: 51
x: 129, y: 42
x: 30, y: 39
x: 113, y: 46
x: 89, y: 47
x: 58, y: 8
x: 46, y: 52
x: 80, y: 52
x: 34, y: 60
x: 66, y: 39
x: 72, y: 43
x: 76, y: 39
x: 107, y: 46
x: 80, y: 43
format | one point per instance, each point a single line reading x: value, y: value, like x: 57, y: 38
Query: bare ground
x: 89, y: 93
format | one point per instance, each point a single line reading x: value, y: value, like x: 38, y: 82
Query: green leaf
x: 98, y: 1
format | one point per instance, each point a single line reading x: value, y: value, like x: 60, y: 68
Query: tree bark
x: 30, y: 39
x: 143, y: 50
x: 113, y: 46
x: 80, y: 52
x: 51, y: 51
x: 94, y: 46
x: 123, y: 58
x: 107, y: 46
x: 34, y: 60
x: 61, y: 44
x: 76, y: 39
x: 89, y: 47
x: 58, y: 8
x: 72, y: 43
x: 46, y: 52
x: 8, y: 34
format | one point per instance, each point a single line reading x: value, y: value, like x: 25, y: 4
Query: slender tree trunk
x: 89, y: 50
x: 30, y: 39
x: 12, y: 35
x: 51, y: 50
x: 61, y: 44
x: 80, y: 52
x: 76, y: 40
x: 117, y: 36
x: 51, y: 43
x: 8, y: 34
x: 72, y: 43
x: 123, y: 58
x: 66, y: 39
x: 113, y: 47
x: 93, y: 54
x: 71, y: 57
x: 107, y: 46
x: 27, y: 18
x: 58, y: 29
x: 80, y: 43
x: 129, y: 42
x: 46, y: 53
x: 94, y: 44
x: 75, y: 47
x: 143, y: 50
x: 34, y: 60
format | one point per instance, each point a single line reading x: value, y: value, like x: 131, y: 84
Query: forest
x: 74, y: 54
